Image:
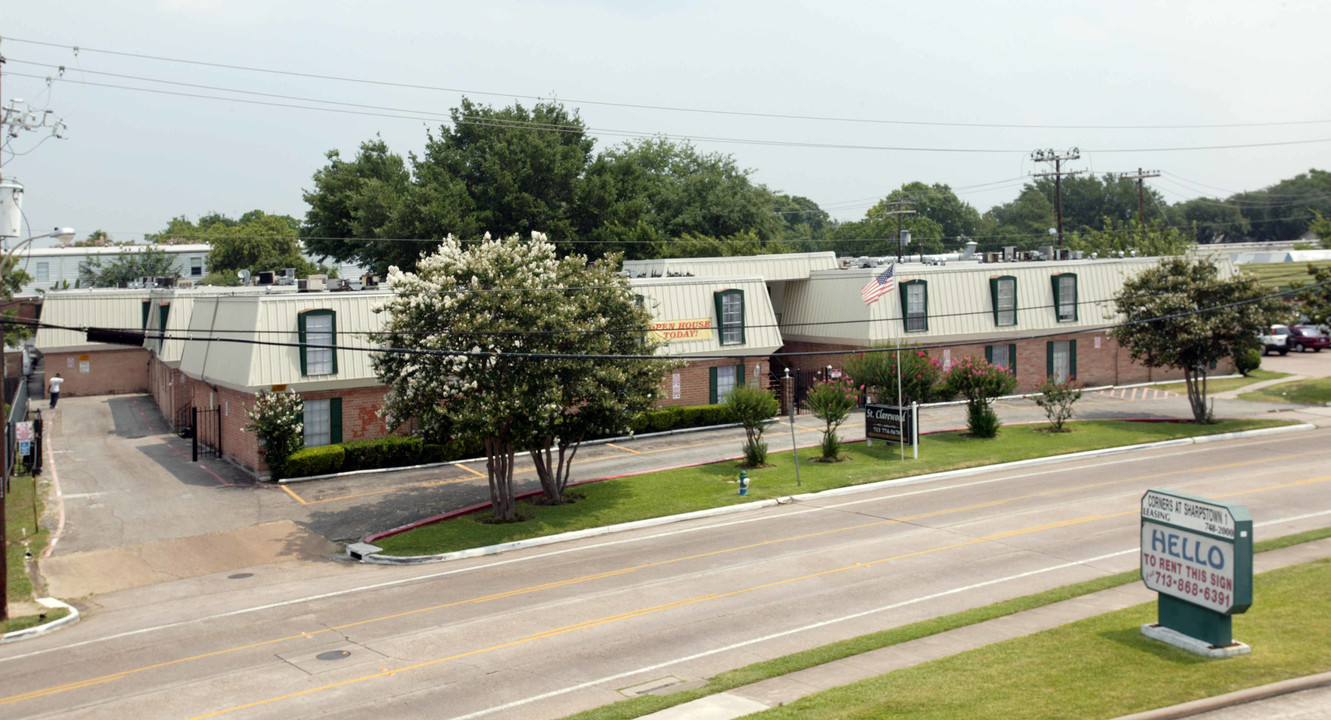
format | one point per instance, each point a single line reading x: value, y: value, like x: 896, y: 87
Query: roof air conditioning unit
x: 266, y: 277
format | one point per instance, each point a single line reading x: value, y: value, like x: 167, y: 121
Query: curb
x: 367, y: 553
x: 1238, y: 697
x: 39, y: 630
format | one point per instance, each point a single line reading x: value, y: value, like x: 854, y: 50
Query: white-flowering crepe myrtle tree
x: 508, y: 343
x: 1182, y: 314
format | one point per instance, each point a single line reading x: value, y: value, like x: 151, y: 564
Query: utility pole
x: 1141, y: 198
x: 1057, y: 174
x: 899, y: 204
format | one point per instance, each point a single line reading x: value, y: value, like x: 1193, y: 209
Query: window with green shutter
x: 318, y: 341
x: 1065, y: 297
x: 915, y: 305
x: 721, y: 380
x: 1003, y: 294
x: 730, y: 316
x: 1004, y: 356
x: 1061, y: 359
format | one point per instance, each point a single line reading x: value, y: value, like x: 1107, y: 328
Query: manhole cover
x: 333, y: 655
x: 239, y: 576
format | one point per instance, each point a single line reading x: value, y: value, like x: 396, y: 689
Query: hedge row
x: 401, y: 451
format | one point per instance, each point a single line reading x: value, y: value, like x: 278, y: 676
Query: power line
x: 610, y: 132
x: 35, y: 324
x: 666, y: 108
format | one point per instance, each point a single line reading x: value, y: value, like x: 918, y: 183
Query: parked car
x: 1275, y: 339
x: 1306, y: 337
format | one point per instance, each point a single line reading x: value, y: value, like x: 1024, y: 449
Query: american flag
x: 881, y: 285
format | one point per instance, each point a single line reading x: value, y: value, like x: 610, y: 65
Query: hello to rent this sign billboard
x: 1197, y: 550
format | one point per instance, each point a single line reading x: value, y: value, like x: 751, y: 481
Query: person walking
x: 55, y: 388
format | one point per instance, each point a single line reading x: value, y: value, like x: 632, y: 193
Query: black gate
x: 206, y: 432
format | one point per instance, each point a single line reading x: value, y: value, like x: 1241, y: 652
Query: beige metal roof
x: 771, y: 268
x: 180, y: 302
x: 250, y: 320
x: 675, y: 300
x: 827, y: 307
x: 118, y: 309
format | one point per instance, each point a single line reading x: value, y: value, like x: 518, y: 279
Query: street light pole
x: 5, y: 273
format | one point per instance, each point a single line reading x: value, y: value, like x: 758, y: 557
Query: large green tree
x: 1211, y: 220
x: 1285, y: 210
x: 659, y: 190
x: 471, y: 311
x: 1182, y: 314
x: 14, y: 278
x: 255, y: 241
x: 512, y: 170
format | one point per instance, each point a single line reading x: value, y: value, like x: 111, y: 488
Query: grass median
x: 1220, y: 385
x: 1100, y: 667
x: 713, y: 485
x: 1314, y: 391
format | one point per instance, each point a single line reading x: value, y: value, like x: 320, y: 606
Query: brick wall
x: 1100, y: 360
x: 695, y: 380
x: 110, y: 372
x: 359, y: 418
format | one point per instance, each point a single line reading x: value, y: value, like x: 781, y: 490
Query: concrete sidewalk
x: 786, y: 689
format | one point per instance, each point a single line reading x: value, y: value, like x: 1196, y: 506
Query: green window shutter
x: 719, y: 298
x: 904, y: 289
x: 989, y: 354
x: 163, y: 311
x: 1057, y: 303
x: 711, y: 385
x: 1012, y: 358
x: 1049, y: 358
x: 300, y: 332
x: 993, y: 298
x: 147, y: 307
x: 334, y: 421
x: 1072, y: 359
x: 739, y: 375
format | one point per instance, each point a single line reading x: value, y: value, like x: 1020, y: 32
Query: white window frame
x: 1062, y: 360
x: 319, y: 345
x: 1006, y: 312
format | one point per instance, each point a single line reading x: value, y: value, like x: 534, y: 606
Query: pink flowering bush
x: 980, y: 381
x: 877, y: 371
x: 831, y: 401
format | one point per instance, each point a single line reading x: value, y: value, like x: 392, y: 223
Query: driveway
x: 134, y: 510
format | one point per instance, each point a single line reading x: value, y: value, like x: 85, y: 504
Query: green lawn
x: 1101, y: 667
x: 759, y: 671
x: 707, y: 486
x: 22, y: 537
x: 1313, y: 391
x: 1226, y: 384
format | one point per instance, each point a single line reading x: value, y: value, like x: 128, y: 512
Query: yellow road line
x: 631, y: 614
x: 696, y: 556
x: 621, y: 447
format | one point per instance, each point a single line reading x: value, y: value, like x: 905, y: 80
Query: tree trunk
x: 499, y: 465
x: 554, y: 471
x: 1196, y: 383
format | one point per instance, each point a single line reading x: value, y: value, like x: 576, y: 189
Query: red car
x: 1306, y: 337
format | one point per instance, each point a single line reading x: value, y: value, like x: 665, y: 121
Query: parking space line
x: 621, y: 447
x: 477, y: 473
x: 293, y: 494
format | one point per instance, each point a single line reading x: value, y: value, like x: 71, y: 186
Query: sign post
x: 1196, y: 554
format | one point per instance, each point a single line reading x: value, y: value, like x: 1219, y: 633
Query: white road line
x: 783, y: 633
x: 562, y: 551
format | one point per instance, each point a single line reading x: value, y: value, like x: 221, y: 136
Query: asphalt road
x: 544, y: 632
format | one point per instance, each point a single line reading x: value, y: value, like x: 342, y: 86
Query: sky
x: 840, y: 102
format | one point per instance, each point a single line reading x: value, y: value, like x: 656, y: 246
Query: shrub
x: 320, y: 460
x: 877, y: 371
x: 980, y: 381
x: 390, y: 451
x: 1056, y: 399
x: 831, y: 401
x: 679, y: 417
x: 750, y: 406
x: 1247, y: 359
x: 279, y: 421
